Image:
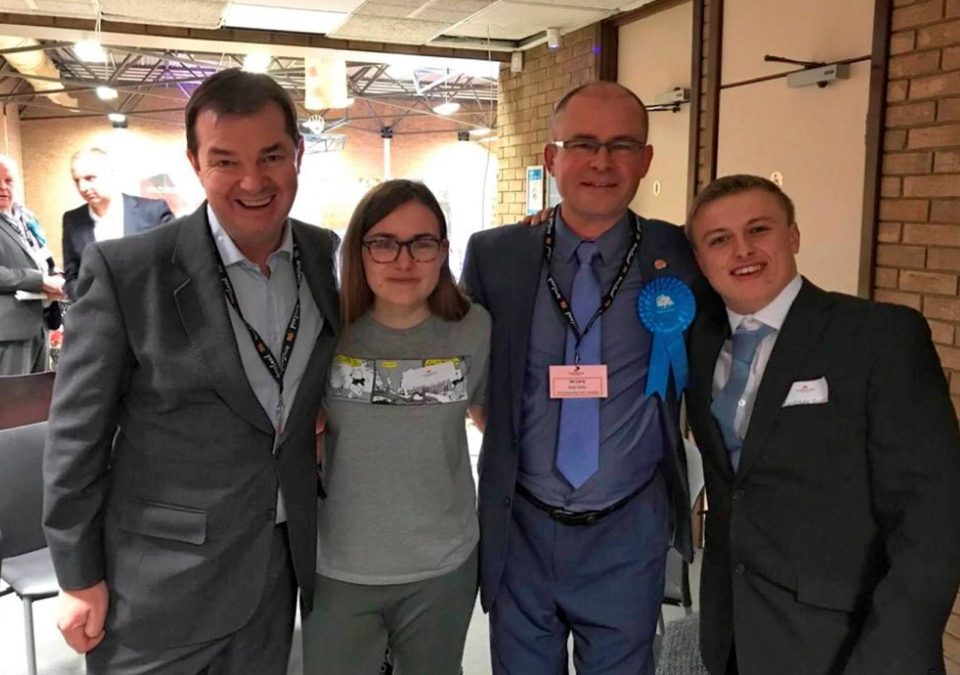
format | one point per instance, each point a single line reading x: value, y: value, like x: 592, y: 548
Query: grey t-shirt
x: 401, y: 503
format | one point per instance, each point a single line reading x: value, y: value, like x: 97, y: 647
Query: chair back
x: 26, y: 398
x: 21, y: 489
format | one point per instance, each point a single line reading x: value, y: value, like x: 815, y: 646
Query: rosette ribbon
x: 666, y: 307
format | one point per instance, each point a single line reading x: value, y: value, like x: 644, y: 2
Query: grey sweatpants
x: 424, y: 623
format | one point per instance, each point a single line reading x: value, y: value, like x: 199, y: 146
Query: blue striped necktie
x: 730, y: 399
x: 578, y: 440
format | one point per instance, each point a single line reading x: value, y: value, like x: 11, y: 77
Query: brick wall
x: 918, y: 249
x: 525, y: 101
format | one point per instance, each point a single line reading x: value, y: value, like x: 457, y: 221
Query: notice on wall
x: 534, y: 189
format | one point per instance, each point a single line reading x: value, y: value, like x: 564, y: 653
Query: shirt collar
x: 611, y: 244
x: 773, y: 314
x: 230, y: 254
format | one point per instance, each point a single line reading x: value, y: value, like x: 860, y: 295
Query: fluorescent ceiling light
x: 480, y: 131
x: 257, y: 62
x: 117, y: 118
x: 106, y: 93
x: 264, y: 17
x: 446, y: 108
x: 90, y: 51
x: 488, y: 139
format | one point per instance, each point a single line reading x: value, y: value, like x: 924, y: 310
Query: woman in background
x: 398, y: 533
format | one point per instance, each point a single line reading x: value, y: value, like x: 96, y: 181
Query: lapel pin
x: 659, y: 264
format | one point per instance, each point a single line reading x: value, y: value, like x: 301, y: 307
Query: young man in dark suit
x: 831, y: 455
x: 180, y: 471
x: 107, y: 214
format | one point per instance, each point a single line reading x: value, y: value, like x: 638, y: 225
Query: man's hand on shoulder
x: 81, y: 616
x: 537, y: 218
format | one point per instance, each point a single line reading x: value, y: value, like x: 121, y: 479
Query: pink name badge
x: 578, y: 381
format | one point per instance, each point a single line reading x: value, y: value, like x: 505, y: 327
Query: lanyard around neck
x: 276, y: 367
x: 563, y: 305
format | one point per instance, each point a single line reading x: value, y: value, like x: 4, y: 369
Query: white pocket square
x: 808, y: 392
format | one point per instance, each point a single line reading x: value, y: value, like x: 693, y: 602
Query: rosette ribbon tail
x: 667, y: 353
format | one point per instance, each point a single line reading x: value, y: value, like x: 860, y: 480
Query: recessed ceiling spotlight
x: 446, y: 108
x: 105, y: 93
x: 257, y: 62
x: 90, y: 51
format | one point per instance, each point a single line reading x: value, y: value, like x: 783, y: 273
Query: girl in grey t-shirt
x: 397, y: 561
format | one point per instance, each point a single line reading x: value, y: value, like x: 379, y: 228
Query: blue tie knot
x: 587, y: 252
x: 746, y: 339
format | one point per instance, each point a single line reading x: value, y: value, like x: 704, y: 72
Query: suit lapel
x: 325, y: 296
x: 527, y: 257
x: 801, y: 330
x: 203, y: 313
x: 7, y: 229
x: 707, y: 336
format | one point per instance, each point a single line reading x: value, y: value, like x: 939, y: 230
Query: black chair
x: 26, y: 563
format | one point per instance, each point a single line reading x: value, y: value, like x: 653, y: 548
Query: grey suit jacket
x: 18, y: 272
x: 158, y: 469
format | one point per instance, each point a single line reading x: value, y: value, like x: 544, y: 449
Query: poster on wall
x: 534, y: 189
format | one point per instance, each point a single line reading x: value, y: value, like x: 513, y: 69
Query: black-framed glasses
x: 587, y: 147
x: 424, y: 248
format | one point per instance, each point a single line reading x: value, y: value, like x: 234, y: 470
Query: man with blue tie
x: 831, y: 457
x: 582, y: 488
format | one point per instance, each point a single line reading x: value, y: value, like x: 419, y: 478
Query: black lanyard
x: 563, y: 305
x: 276, y: 367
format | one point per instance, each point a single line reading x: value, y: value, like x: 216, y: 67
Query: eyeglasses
x: 387, y: 249
x: 587, y: 147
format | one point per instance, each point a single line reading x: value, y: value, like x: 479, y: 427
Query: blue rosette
x: 666, y: 307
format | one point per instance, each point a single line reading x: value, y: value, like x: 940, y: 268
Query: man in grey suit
x: 180, y: 473
x: 23, y: 267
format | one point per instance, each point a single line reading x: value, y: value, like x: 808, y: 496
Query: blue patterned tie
x: 578, y: 441
x: 730, y: 398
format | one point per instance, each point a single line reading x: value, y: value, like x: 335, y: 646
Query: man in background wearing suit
x: 180, y: 502
x: 831, y: 455
x: 25, y: 265
x: 579, y: 498
x: 108, y: 214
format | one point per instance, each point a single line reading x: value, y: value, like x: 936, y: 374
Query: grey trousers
x: 262, y: 646
x: 424, y: 623
x: 22, y: 357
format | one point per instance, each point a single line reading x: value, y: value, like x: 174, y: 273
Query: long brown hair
x: 356, y: 297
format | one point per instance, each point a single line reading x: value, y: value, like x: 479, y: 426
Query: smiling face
x: 746, y: 248
x: 404, y: 285
x: 248, y: 166
x: 597, y: 188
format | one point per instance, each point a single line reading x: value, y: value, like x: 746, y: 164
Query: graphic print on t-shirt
x: 399, y: 381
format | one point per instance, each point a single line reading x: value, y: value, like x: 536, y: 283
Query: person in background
x: 583, y: 480
x: 397, y: 558
x: 831, y: 455
x: 26, y: 265
x: 179, y: 470
x: 107, y: 213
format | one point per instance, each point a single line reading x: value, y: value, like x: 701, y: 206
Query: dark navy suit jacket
x: 139, y: 215
x: 502, y: 270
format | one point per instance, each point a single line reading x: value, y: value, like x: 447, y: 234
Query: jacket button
x: 740, y: 568
x: 506, y: 501
x: 737, y: 495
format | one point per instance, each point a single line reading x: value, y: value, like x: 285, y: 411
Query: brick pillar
x: 524, y: 104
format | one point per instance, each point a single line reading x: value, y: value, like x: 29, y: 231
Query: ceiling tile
x: 378, y: 29
x: 516, y: 21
